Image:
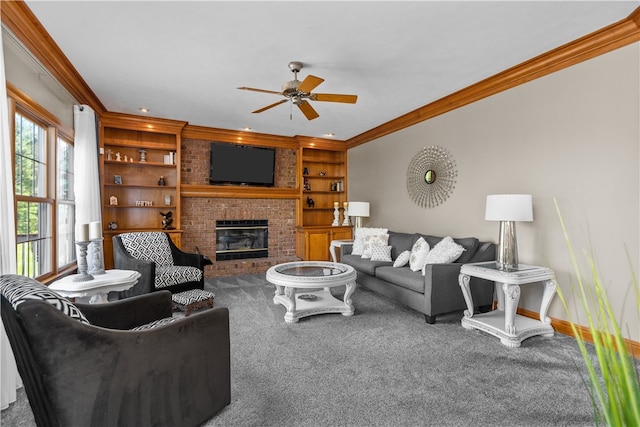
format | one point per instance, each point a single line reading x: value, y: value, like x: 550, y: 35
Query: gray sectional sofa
x: 435, y: 293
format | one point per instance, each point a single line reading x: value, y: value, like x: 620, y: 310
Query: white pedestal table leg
x: 547, y: 296
x: 512, y: 298
x: 463, y: 281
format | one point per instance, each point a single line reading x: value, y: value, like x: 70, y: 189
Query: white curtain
x: 10, y: 380
x: 87, y: 173
x: 86, y: 169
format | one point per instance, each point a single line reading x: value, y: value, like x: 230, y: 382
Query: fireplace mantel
x: 238, y: 192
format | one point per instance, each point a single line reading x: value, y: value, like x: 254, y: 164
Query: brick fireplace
x: 200, y: 214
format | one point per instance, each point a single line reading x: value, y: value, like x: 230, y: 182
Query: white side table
x: 504, y: 322
x: 95, y: 291
x: 337, y: 244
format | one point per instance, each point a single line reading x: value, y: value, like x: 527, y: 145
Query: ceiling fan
x: 298, y: 92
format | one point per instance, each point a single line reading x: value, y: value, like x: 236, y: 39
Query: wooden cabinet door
x: 317, y: 243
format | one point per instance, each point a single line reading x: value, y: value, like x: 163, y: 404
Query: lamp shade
x: 360, y: 209
x: 509, y: 207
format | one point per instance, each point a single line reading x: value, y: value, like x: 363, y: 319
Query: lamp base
x: 358, y: 223
x: 507, y: 253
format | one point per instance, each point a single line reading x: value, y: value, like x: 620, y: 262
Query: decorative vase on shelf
x: 161, y: 181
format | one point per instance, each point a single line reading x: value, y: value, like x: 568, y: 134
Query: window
x: 44, y: 198
x: 66, y: 210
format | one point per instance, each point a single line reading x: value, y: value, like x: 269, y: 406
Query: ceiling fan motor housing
x: 289, y: 89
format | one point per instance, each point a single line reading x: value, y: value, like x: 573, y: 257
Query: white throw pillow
x: 361, y: 233
x: 403, y: 259
x: 418, y: 255
x: 372, y: 240
x: 445, y: 251
x: 381, y: 253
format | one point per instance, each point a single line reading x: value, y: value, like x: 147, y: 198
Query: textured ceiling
x: 185, y: 59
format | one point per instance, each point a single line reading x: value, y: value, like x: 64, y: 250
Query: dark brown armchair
x: 122, y: 363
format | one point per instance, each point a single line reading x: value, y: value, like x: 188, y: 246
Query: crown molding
x: 607, y: 39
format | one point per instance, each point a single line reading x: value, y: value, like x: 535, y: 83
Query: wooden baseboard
x: 564, y: 327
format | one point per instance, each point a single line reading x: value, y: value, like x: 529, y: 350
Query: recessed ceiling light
x: 144, y: 110
x: 246, y: 128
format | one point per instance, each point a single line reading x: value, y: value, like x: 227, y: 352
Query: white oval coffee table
x: 303, y: 287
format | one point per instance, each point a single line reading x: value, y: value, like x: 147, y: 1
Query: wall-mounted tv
x: 232, y: 164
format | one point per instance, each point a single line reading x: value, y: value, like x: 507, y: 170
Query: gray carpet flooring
x: 384, y: 366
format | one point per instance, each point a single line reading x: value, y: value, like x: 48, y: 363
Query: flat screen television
x: 232, y: 164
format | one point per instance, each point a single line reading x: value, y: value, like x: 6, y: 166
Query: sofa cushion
x: 155, y: 324
x: 444, y: 252
x: 402, y: 277
x: 18, y: 289
x: 400, y: 242
x: 176, y: 274
x: 402, y: 259
x: 373, y: 240
x: 360, y: 234
x: 381, y: 253
x: 419, y: 253
x: 148, y: 246
x: 431, y: 240
x: 470, y: 244
x: 363, y: 265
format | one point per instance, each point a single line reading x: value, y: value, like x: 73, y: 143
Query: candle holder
x: 97, y: 267
x: 83, y: 275
x: 346, y: 217
x: 336, y: 216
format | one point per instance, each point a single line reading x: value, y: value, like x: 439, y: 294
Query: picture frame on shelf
x: 117, y: 179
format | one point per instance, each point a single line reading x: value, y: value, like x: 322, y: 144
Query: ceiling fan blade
x: 309, y: 83
x: 260, y: 90
x: 332, y: 97
x: 275, y: 104
x: 308, y: 110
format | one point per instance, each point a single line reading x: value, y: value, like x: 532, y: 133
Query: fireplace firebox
x: 240, y: 239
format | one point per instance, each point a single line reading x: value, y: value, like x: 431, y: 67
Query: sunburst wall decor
x: 431, y: 176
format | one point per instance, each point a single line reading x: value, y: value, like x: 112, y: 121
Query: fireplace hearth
x: 242, y: 239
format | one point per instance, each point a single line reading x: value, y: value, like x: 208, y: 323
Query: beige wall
x: 573, y: 135
x: 28, y: 75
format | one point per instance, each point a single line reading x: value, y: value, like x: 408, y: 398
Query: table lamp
x: 508, y: 208
x: 359, y: 210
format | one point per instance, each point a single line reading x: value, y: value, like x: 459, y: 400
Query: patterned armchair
x: 126, y: 362
x: 162, y: 265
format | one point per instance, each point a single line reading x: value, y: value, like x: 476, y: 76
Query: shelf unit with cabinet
x: 140, y: 166
x: 323, y: 173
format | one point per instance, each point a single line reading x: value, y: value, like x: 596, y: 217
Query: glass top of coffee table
x: 329, y: 269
